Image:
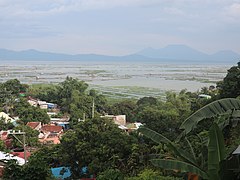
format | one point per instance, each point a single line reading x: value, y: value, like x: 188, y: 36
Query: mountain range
x: 168, y: 54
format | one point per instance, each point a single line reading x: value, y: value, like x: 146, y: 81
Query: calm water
x: 159, y: 76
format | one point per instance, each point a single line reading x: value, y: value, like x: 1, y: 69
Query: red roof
x: 4, y: 133
x: 21, y: 154
x: 33, y: 124
x: 52, y: 128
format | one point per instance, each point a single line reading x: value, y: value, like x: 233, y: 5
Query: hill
x: 168, y: 54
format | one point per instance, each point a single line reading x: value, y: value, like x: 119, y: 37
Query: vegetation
x: 192, y: 137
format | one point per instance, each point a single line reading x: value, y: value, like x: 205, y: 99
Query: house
x: 5, y: 117
x: 51, y: 106
x: 21, y: 154
x: 50, y: 134
x: 5, y: 138
x: 33, y: 102
x: 63, y: 121
x: 43, y: 104
x: 4, y: 135
x: 118, y: 119
x: 133, y: 126
x: 130, y: 127
x: 6, y: 156
x: 35, y: 125
x: 52, y: 129
x: 65, y: 125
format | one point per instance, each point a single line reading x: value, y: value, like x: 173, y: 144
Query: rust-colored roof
x: 4, y: 133
x: 21, y: 154
x: 33, y: 125
x: 52, y: 128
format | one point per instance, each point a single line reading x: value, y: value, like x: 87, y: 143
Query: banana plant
x: 220, y: 107
x: 186, y: 162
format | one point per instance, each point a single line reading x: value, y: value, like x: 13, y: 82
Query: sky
x: 119, y: 27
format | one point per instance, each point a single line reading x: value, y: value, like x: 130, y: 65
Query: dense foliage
x: 97, y: 147
x: 229, y: 87
x: 98, y: 144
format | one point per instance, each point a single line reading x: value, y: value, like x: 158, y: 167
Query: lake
x: 129, y: 80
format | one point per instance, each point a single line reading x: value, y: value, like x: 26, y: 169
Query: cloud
x: 38, y: 8
x: 131, y: 23
x: 174, y: 11
x: 234, y: 10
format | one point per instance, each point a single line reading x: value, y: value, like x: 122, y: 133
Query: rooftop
x: 33, y: 125
x: 52, y: 128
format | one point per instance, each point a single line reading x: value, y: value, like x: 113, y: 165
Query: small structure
x: 5, y: 138
x: 51, y: 106
x: 50, y: 134
x: 133, y: 126
x: 61, y: 172
x: 43, y: 104
x: 130, y: 127
x: 63, y: 121
x: 33, y: 102
x: 5, y: 117
x: 204, y: 96
x: 52, y: 129
x: 35, y: 125
x: 6, y: 157
x: 118, y: 119
x: 21, y: 154
x: 4, y: 135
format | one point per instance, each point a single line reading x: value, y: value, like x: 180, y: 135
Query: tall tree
x: 98, y: 144
x: 230, y: 86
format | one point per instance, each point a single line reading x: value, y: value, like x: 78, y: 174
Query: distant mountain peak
x: 175, y: 53
x: 30, y: 50
x: 184, y: 52
x: 177, y: 46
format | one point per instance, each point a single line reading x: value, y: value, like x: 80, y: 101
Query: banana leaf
x: 158, y: 138
x: 216, y: 151
x: 179, y: 165
x: 213, y: 109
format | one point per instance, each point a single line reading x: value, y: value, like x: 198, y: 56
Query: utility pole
x: 93, y: 106
x: 14, y: 133
x: 84, y: 116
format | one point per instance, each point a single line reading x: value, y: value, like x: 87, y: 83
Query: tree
x: 111, y: 174
x: 51, y: 155
x: 149, y: 174
x: 99, y: 100
x: 31, y: 136
x: 160, y: 120
x: 14, y: 86
x: 98, y: 144
x: 28, y: 113
x: 126, y: 107
x: 35, y: 169
x: 46, y: 92
x: 147, y: 101
x: 165, y: 117
x: 66, y: 89
x: 230, y: 86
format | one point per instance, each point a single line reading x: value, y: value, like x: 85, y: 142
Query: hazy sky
x: 117, y: 27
